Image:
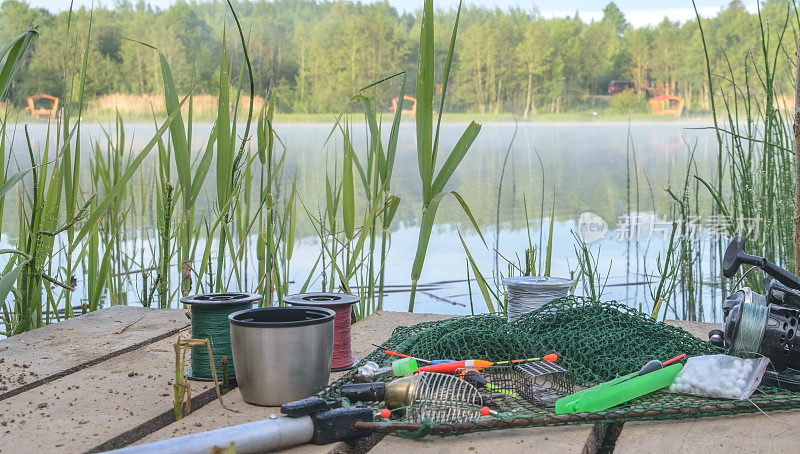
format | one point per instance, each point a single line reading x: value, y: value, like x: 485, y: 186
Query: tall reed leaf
x: 9, y: 279
x: 427, y: 147
x: 549, y: 253
x: 12, y: 181
x: 456, y: 156
x: 391, y: 147
x: 94, y: 216
x: 348, y: 191
x: 224, y: 152
x: 482, y: 284
x: 11, y: 57
x: 177, y: 129
x: 425, y: 88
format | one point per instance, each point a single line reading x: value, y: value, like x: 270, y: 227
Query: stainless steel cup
x: 281, y: 354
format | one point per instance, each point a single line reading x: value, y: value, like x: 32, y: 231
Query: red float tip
x: 677, y: 358
x: 385, y: 413
x: 552, y: 357
x: 485, y: 411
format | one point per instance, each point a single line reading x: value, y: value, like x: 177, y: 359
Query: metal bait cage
x: 494, y: 383
x: 542, y: 382
x: 443, y: 398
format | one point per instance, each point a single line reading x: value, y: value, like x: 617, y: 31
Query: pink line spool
x: 341, y: 304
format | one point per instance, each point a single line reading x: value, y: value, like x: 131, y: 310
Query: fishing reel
x: 762, y: 324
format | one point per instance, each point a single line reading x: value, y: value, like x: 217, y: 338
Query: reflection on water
x: 577, y: 167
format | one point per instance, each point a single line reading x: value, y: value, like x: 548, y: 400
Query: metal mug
x: 281, y: 354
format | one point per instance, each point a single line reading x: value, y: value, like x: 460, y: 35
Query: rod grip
x: 338, y: 424
x: 364, y: 392
x: 308, y: 406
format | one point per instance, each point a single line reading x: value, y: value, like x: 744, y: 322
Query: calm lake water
x: 578, y: 168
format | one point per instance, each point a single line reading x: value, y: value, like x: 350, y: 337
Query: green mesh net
x: 595, y: 342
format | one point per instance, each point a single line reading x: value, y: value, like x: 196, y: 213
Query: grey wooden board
x: 775, y: 431
x: 77, y: 412
x: 33, y: 358
x: 696, y: 329
x: 91, y: 378
x: 374, y: 329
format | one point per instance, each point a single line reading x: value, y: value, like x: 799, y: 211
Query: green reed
x: 668, y: 270
x: 106, y: 169
x: 100, y: 231
x: 30, y: 275
x: 11, y: 56
x: 754, y: 191
x: 348, y: 254
x: 590, y: 276
x: 268, y: 243
x: 433, y: 184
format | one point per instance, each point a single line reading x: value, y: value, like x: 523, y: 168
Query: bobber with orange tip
x: 452, y: 367
x: 552, y: 357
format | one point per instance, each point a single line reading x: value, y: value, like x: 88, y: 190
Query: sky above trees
x: 638, y: 12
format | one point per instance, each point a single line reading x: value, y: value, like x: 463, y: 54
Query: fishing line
x: 341, y: 303
x: 210, y: 321
x: 528, y: 293
x: 736, y: 285
x: 752, y: 322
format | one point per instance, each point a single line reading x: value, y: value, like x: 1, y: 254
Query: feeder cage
x: 494, y: 383
x: 442, y: 398
x: 542, y: 382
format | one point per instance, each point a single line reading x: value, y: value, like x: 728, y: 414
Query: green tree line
x: 316, y: 54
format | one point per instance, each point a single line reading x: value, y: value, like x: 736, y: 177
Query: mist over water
x: 586, y: 167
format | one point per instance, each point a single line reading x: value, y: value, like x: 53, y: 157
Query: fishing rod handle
x: 254, y: 437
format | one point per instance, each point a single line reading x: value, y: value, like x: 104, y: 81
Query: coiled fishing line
x: 759, y: 299
x: 750, y: 333
x: 341, y: 304
x: 528, y: 293
x: 210, y: 321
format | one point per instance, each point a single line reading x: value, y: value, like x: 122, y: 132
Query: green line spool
x: 210, y: 313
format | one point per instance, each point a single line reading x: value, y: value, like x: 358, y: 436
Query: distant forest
x: 316, y: 54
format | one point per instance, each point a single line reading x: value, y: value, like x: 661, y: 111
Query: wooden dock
x: 104, y: 381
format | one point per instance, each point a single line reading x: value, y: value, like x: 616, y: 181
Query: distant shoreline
x: 576, y: 117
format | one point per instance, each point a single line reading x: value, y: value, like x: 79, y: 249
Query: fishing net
x: 595, y: 342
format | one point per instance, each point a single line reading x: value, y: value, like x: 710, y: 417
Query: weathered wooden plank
x: 32, y: 359
x: 374, y: 329
x: 697, y: 329
x: 776, y: 431
x: 82, y: 410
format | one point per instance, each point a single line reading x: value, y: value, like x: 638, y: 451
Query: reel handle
x: 781, y: 275
x: 735, y: 257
